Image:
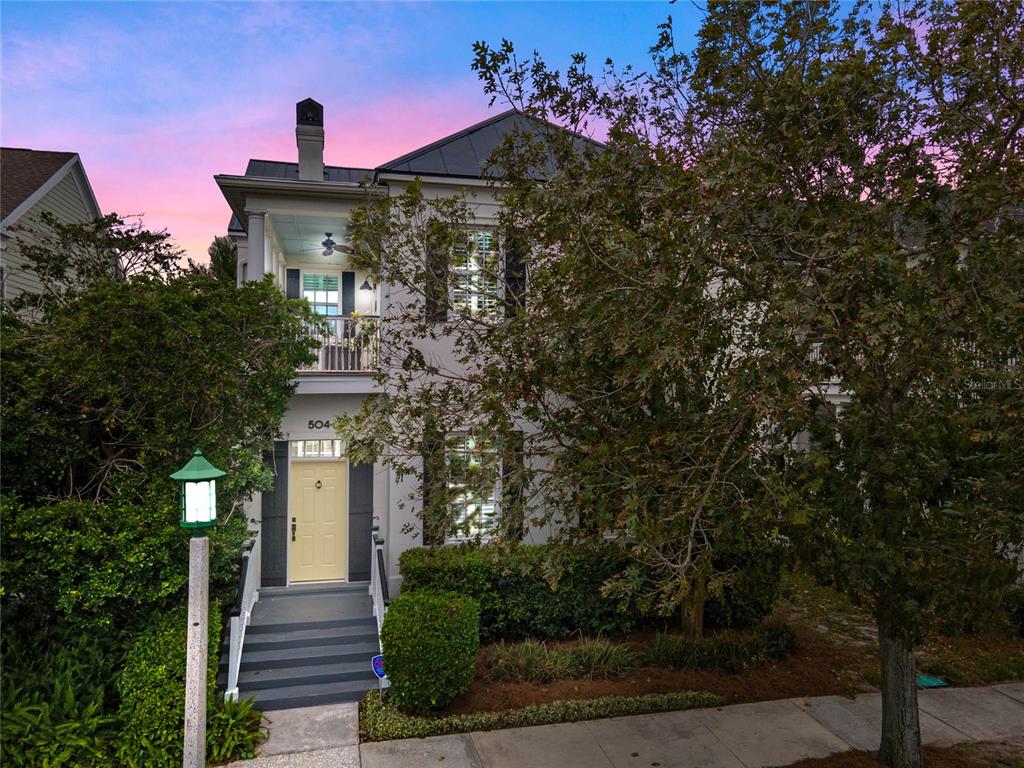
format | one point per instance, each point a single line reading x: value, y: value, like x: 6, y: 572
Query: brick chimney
x: 309, y: 136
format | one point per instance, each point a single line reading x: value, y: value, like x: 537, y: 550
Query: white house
x: 33, y: 182
x: 289, y: 220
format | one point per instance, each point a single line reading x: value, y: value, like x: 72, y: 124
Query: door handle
x: 293, y: 529
x: 319, y: 484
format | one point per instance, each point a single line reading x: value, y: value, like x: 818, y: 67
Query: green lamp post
x: 198, y: 481
x: 198, y: 489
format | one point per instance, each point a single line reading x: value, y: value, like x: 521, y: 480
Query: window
x: 321, y: 291
x: 475, y: 267
x: 473, y: 481
x: 316, y: 449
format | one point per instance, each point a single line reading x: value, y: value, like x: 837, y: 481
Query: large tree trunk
x: 693, y: 611
x: 901, y: 728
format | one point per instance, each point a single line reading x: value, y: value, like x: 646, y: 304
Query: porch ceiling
x: 300, y: 236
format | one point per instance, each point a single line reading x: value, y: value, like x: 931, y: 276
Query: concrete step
x: 303, y: 626
x: 329, y: 587
x: 282, y: 641
x: 310, y: 607
x: 308, y: 695
x: 318, y: 674
x: 338, y: 653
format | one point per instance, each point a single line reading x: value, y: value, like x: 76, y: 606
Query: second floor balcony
x: 346, y: 345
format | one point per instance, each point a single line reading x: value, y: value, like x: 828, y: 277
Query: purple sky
x: 159, y: 97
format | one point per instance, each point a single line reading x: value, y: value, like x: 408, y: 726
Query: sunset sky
x: 159, y: 97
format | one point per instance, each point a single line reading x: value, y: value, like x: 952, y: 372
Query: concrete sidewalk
x: 771, y: 733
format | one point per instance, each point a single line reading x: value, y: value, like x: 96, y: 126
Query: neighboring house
x: 315, y: 524
x: 33, y: 182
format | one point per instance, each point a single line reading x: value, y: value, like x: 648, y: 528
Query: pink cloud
x: 165, y: 172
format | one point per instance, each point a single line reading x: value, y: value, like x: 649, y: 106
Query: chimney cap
x: 309, y: 112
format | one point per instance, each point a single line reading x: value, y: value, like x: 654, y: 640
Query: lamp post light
x: 198, y: 479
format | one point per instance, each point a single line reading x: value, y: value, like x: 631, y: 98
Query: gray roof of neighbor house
x: 23, y: 171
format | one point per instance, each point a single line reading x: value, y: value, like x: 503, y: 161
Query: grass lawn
x: 989, y: 657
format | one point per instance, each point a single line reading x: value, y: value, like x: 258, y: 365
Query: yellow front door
x: 318, y: 528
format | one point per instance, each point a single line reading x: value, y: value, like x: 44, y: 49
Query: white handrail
x: 346, y: 344
x: 378, y: 579
x: 247, y: 595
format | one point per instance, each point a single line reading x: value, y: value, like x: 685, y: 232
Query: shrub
x: 516, y: 598
x: 233, y: 731
x: 102, y: 567
x: 529, y: 661
x: 429, y: 641
x: 381, y: 720
x: 1015, y: 609
x: 597, y: 657
x: 755, y: 571
x: 55, y: 703
x: 533, y: 662
x: 152, y: 687
x: 726, y: 652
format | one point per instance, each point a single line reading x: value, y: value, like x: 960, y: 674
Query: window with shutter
x: 321, y: 291
x: 475, y: 263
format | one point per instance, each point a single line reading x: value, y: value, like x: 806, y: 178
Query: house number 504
x: 317, y: 424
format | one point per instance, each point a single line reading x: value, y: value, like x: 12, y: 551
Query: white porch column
x: 259, y: 254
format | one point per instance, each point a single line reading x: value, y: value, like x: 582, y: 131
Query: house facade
x: 290, y: 220
x: 33, y: 182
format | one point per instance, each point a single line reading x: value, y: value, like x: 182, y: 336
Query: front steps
x: 309, y: 645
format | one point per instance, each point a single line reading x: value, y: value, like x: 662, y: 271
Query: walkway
x: 771, y: 733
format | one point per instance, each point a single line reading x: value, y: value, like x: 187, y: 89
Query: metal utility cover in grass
x: 928, y: 681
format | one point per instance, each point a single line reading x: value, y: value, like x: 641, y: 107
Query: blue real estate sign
x: 377, y: 662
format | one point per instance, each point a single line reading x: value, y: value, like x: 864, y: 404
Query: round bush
x: 429, y: 641
x: 755, y: 565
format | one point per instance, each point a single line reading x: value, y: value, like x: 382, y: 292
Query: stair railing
x: 378, y: 578
x: 245, y: 597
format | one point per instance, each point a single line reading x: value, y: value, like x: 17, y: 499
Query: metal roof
x: 274, y: 169
x: 466, y: 153
x: 463, y: 155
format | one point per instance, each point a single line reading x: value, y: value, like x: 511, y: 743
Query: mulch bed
x: 987, y: 755
x: 817, y: 668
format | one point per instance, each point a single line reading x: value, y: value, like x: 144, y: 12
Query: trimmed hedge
x: 381, y: 721
x: 430, y: 640
x: 517, y: 601
x: 152, y: 688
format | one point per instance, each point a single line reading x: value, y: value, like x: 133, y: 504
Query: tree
x: 223, y: 254
x: 620, y: 393
x: 836, y: 192
x: 128, y: 366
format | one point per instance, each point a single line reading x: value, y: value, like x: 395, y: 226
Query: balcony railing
x: 347, y: 344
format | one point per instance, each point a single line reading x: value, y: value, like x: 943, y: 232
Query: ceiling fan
x: 330, y: 246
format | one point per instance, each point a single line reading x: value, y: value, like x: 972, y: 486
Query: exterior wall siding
x: 66, y: 203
